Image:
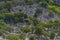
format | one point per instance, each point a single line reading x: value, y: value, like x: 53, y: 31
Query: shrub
x: 13, y: 17
x: 54, y: 8
x: 52, y: 35
x: 30, y: 2
x: 2, y: 5
x: 26, y: 29
x: 12, y: 37
x: 51, y: 14
x: 38, y: 12
x: 9, y: 5
x: 31, y: 37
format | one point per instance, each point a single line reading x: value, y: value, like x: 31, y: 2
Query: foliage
x: 13, y: 17
x: 22, y: 36
x: 26, y: 29
x: 2, y: 5
x: 4, y: 27
x: 38, y: 12
x: 52, y: 35
x: 31, y: 37
x: 51, y: 14
x: 29, y: 2
x: 12, y: 37
x: 36, y: 28
x: 39, y: 30
x: 9, y: 5
x: 54, y: 8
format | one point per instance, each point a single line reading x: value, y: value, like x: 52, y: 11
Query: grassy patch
x: 54, y: 8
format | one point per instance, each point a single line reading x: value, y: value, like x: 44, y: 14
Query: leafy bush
x: 30, y: 2
x: 31, y: 37
x: 13, y: 17
x: 39, y: 30
x: 52, y: 35
x: 51, y: 14
x: 6, y: 5
x: 44, y: 4
x: 22, y: 36
x: 4, y: 27
x: 38, y: 12
x: 2, y: 5
x: 54, y: 8
x: 26, y: 29
x: 9, y: 5
x: 12, y: 37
